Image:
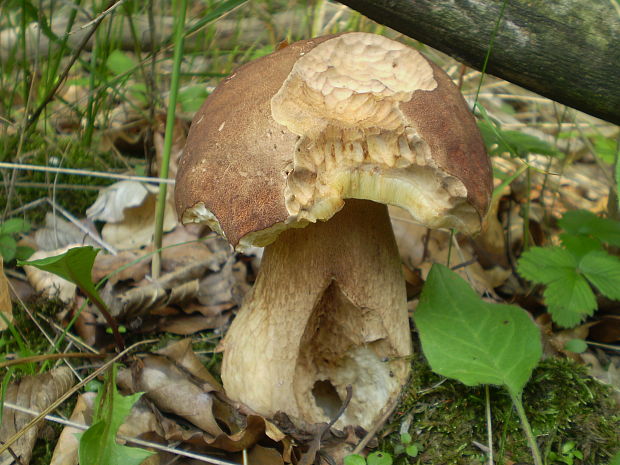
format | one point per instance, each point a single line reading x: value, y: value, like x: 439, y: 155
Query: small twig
x: 314, y: 448
x: 102, y: 15
x: 45, y: 357
x: 78, y: 224
x: 14, y: 455
x: 95, y: 174
x: 487, y: 408
x: 340, y: 412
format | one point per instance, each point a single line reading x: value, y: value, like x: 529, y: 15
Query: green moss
x: 55, y: 151
x: 46, y: 443
x: 562, y: 402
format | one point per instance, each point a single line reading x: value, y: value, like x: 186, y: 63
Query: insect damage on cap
x: 356, y: 120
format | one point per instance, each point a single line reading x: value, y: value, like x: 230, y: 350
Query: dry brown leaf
x: 225, y: 288
x: 86, y: 323
x: 419, y: 251
x: 66, y: 450
x: 35, y: 393
x: 106, y: 264
x: 58, y: 233
x: 182, y: 255
x: 182, y: 354
x: 252, y: 431
x: 173, y: 391
x: 6, y: 307
x: 65, y: 114
x: 186, y: 325
x: 114, y: 200
x: 610, y: 374
x: 49, y: 284
x: 175, y: 381
x: 20, y: 289
x: 558, y: 339
x: 490, y: 244
x: 606, y: 329
x: 173, y: 288
x: 260, y: 455
x: 128, y: 208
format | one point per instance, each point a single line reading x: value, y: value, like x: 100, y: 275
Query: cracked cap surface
x: 286, y: 138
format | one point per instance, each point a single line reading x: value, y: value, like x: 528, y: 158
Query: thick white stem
x: 328, y: 310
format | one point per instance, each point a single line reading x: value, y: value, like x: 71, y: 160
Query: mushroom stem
x: 328, y: 310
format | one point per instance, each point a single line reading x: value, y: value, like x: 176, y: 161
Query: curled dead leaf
x: 58, y: 233
x: 173, y: 288
x: 128, y: 208
x: 172, y: 391
x: 188, y: 248
x: 182, y: 354
x: 420, y: 248
x: 35, y: 393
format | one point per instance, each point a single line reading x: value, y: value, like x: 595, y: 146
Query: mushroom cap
x: 286, y: 138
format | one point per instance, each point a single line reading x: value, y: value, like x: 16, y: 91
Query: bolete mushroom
x: 299, y: 151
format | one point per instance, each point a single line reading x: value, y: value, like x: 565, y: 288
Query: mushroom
x: 300, y: 151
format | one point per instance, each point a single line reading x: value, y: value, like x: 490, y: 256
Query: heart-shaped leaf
x: 473, y: 341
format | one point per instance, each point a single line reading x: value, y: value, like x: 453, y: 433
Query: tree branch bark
x: 566, y: 50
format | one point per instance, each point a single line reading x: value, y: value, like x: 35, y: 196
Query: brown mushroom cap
x: 286, y: 138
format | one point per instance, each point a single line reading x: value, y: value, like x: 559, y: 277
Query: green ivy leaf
x: 98, y: 443
x: 379, y: 458
x: 473, y: 341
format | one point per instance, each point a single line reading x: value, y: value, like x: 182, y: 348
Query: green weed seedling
x: 567, y: 455
x: 571, y: 270
x: 476, y: 342
x: 98, y: 443
x: 8, y: 244
x: 374, y: 458
x: 407, y: 446
x: 75, y: 265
